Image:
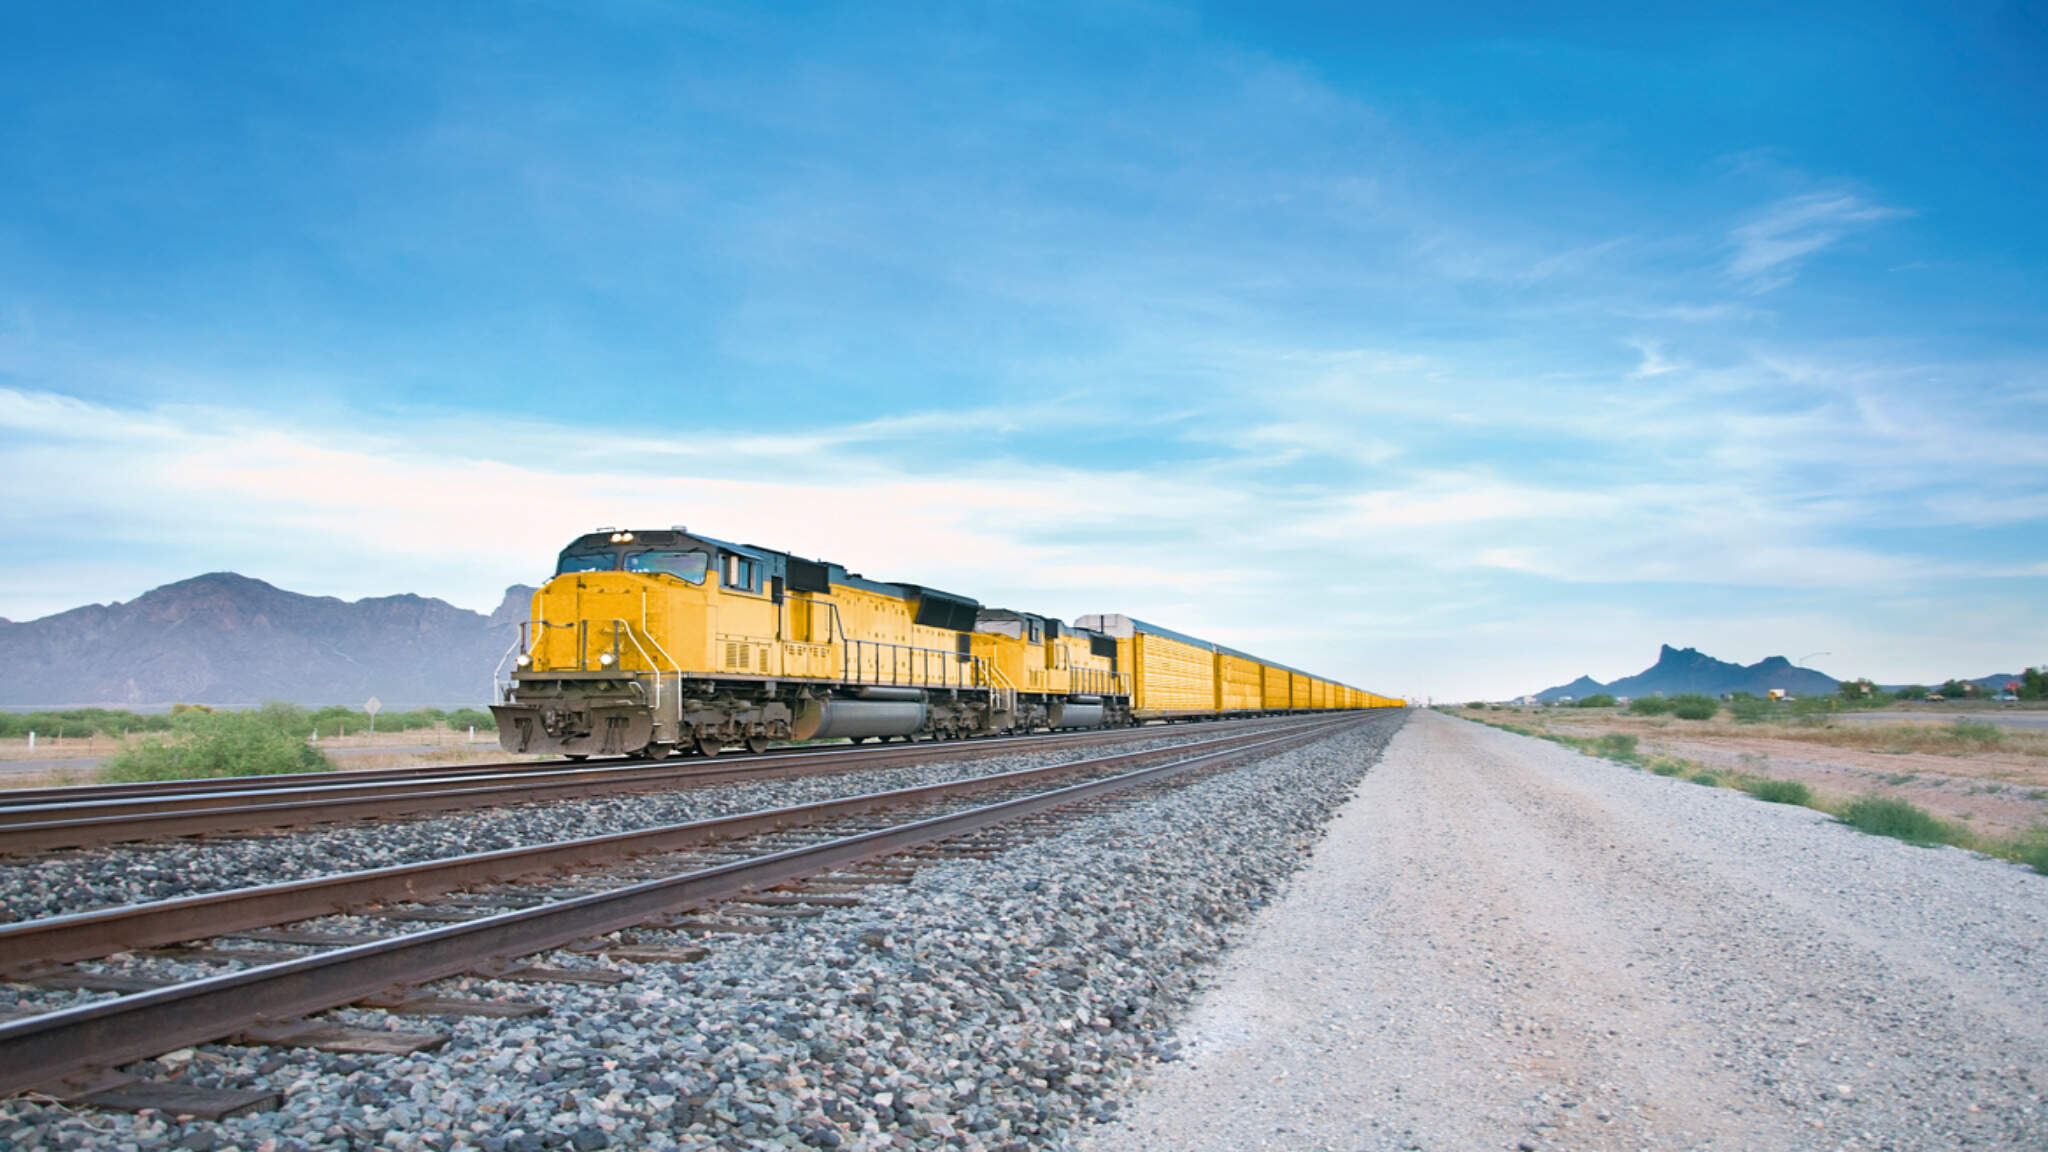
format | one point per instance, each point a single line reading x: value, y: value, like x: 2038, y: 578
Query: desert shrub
x: 1780, y: 791
x: 1649, y: 706
x: 1596, y: 700
x: 1616, y: 746
x: 1884, y: 816
x: 1981, y: 733
x: 462, y: 718
x: 1707, y: 779
x: 1694, y: 707
x: 1748, y: 709
x: 81, y: 721
x: 2033, y: 852
x: 1664, y: 767
x: 205, y: 744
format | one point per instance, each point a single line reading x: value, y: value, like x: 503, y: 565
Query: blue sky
x: 1454, y: 354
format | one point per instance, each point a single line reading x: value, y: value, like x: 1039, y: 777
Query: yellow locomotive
x: 650, y: 642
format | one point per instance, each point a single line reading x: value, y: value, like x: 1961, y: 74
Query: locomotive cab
x: 603, y: 665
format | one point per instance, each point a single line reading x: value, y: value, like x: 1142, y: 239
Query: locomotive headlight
x: 524, y: 660
x: 606, y: 660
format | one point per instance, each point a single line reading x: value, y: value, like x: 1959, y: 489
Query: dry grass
x: 1961, y: 738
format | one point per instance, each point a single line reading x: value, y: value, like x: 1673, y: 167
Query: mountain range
x: 227, y: 640
x: 1687, y: 670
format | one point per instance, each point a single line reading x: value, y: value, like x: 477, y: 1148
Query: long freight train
x: 651, y: 642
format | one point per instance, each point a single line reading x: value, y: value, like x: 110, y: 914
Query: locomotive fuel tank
x: 869, y: 712
x: 1078, y: 712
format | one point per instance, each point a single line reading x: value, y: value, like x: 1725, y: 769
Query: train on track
x: 646, y: 643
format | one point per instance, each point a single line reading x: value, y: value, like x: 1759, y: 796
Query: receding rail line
x: 28, y: 945
x: 45, y: 1050
x: 61, y: 794
x: 295, y: 801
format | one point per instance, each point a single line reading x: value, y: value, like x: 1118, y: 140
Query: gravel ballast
x: 1504, y: 944
x: 992, y: 1003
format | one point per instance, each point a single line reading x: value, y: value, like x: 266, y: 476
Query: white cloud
x: 1768, y: 249
x: 1653, y: 362
x: 1740, y: 485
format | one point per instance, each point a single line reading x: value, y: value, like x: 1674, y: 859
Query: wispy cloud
x: 1653, y: 362
x: 1770, y: 248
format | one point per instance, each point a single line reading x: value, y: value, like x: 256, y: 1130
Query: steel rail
x: 114, y: 822
x: 44, y: 1050
x: 26, y: 946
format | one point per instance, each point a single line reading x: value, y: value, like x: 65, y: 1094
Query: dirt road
x: 1505, y: 944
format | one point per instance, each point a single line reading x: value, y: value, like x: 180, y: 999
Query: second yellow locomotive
x: 649, y: 642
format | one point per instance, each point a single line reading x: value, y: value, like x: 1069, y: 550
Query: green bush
x: 1668, y: 767
x: 265, y: 742
x: 1979, y: 732
x: 1884, y: 816
x: 462, y: 718
x: 1707, y: 779
x: 1780, y: 791
x: 1616, y: 746
x: 71, y: 722
x: 2033, y: 852
x: 1596, y: 700
x: 1649, y: 706
x: 1748, y: 709
x: 1694, y: 707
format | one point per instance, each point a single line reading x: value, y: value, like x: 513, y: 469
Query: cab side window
x: 740, y: 573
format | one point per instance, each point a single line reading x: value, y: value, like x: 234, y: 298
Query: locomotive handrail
x: 619, y: 625
x: 500, y: 686
x: 1005, y: 693
x: 916, y: 671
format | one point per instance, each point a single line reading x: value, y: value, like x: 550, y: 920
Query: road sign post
x: 371, y: 706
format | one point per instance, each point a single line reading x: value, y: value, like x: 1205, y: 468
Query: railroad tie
x: 654, y: 954
x: 96, y: 981
x: 306, y: 937
x: 335, y: 1038
x: 413, y: 1004
x: 537, y: 974
x: 182, y: 1100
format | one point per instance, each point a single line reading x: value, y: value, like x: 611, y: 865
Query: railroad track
x: 495, y: 909
x: 43, y: 820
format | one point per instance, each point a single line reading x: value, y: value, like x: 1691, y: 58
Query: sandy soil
x: 1506, y: 945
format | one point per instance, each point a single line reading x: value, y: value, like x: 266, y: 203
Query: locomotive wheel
x: 709, y: 746
x: 757, y: 744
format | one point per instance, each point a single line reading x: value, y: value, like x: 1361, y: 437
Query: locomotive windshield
x: 689, y: 566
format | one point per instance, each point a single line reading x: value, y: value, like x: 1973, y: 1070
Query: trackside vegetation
x: 266, y: 742
x: 333, y: 720
x: 194, y: 742
x: 1877, y: 815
